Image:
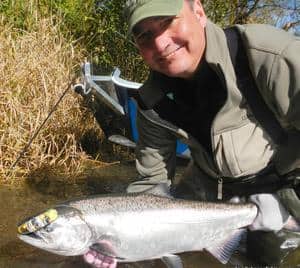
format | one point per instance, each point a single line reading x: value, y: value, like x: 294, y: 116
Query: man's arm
x: 155, y: 156
x: 284, y: 83
x: 271, y: 215
x: 282, y: 93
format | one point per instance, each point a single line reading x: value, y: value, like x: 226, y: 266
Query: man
x: 193, y: 94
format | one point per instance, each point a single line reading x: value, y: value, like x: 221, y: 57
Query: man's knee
x: 194, y: 185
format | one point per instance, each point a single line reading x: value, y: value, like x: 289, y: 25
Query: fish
x: 135, y: 227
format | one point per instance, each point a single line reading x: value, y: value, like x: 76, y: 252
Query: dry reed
x: 35, y: 68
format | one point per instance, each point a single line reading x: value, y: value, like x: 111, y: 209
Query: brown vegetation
x: 35, y: 69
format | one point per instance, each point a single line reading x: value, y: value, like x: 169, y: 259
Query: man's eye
x: 166, y: 22
x: 144, y: 37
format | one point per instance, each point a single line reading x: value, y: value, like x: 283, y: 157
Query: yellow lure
x: 38, y: 222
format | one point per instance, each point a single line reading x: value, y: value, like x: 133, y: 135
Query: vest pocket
x: 243, y: 151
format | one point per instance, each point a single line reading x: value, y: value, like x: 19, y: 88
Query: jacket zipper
x: 220, y: 75
x: 220, y: 189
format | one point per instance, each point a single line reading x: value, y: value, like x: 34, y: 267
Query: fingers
x: 237, y: 199
x: 98, y: 260
x: 271, y: 214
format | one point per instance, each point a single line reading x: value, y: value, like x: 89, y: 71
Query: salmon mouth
x: 31, y: 238
x: 37, y: 240
x: 34, y: 236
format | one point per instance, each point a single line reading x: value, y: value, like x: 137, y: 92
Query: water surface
x: 18, y: 203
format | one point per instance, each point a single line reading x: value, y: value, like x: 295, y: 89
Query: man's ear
x: 200, y: 13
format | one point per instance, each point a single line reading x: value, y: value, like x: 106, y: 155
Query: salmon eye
x: 49, y: 229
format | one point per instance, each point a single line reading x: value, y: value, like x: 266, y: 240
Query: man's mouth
x: 169, y: 54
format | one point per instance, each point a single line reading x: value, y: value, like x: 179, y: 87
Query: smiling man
x: 170, y: 45
x: 242, y: 144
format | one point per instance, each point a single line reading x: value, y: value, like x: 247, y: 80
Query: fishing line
x: 21, y: 154
x: 101, y: 5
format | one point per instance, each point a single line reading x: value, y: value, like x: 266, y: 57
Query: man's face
x: 173, y: 45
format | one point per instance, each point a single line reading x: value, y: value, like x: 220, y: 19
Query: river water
x: 18, y: 203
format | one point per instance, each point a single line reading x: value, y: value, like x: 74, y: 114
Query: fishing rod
x: 69, y: 86
x: 21, y: 154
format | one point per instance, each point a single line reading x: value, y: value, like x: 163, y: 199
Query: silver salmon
x: 135, y: 227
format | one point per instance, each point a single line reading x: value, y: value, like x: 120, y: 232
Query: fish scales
x: 136, y: 227
x: 147, y: 222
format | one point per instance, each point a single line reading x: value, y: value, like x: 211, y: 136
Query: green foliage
x: 97, y: 26
x: 111, y: 44
x: 23, y: 14
x: 100, y: 28
x: 218, y: 11
x: 228, y: 12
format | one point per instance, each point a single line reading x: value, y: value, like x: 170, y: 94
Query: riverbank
x: 36, y: 67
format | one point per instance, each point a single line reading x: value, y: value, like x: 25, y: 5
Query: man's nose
x: 160, y: 42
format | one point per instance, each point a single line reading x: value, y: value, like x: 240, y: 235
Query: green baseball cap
x: 137, y: 10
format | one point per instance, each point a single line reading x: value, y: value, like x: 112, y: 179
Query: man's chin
x: 175, y: 69
x: 175, y: 73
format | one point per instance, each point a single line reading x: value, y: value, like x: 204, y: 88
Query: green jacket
x: 240, y: 146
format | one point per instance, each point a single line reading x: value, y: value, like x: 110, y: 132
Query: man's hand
x: 271, y: 215
x: 98, y: 260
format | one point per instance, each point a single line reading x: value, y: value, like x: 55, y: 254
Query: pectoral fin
x: 172, y: 261
x: 104, y: 247
x: 225, y: 249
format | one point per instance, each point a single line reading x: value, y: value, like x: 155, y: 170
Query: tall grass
x: 42, y: 43
x: 35, y: 68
